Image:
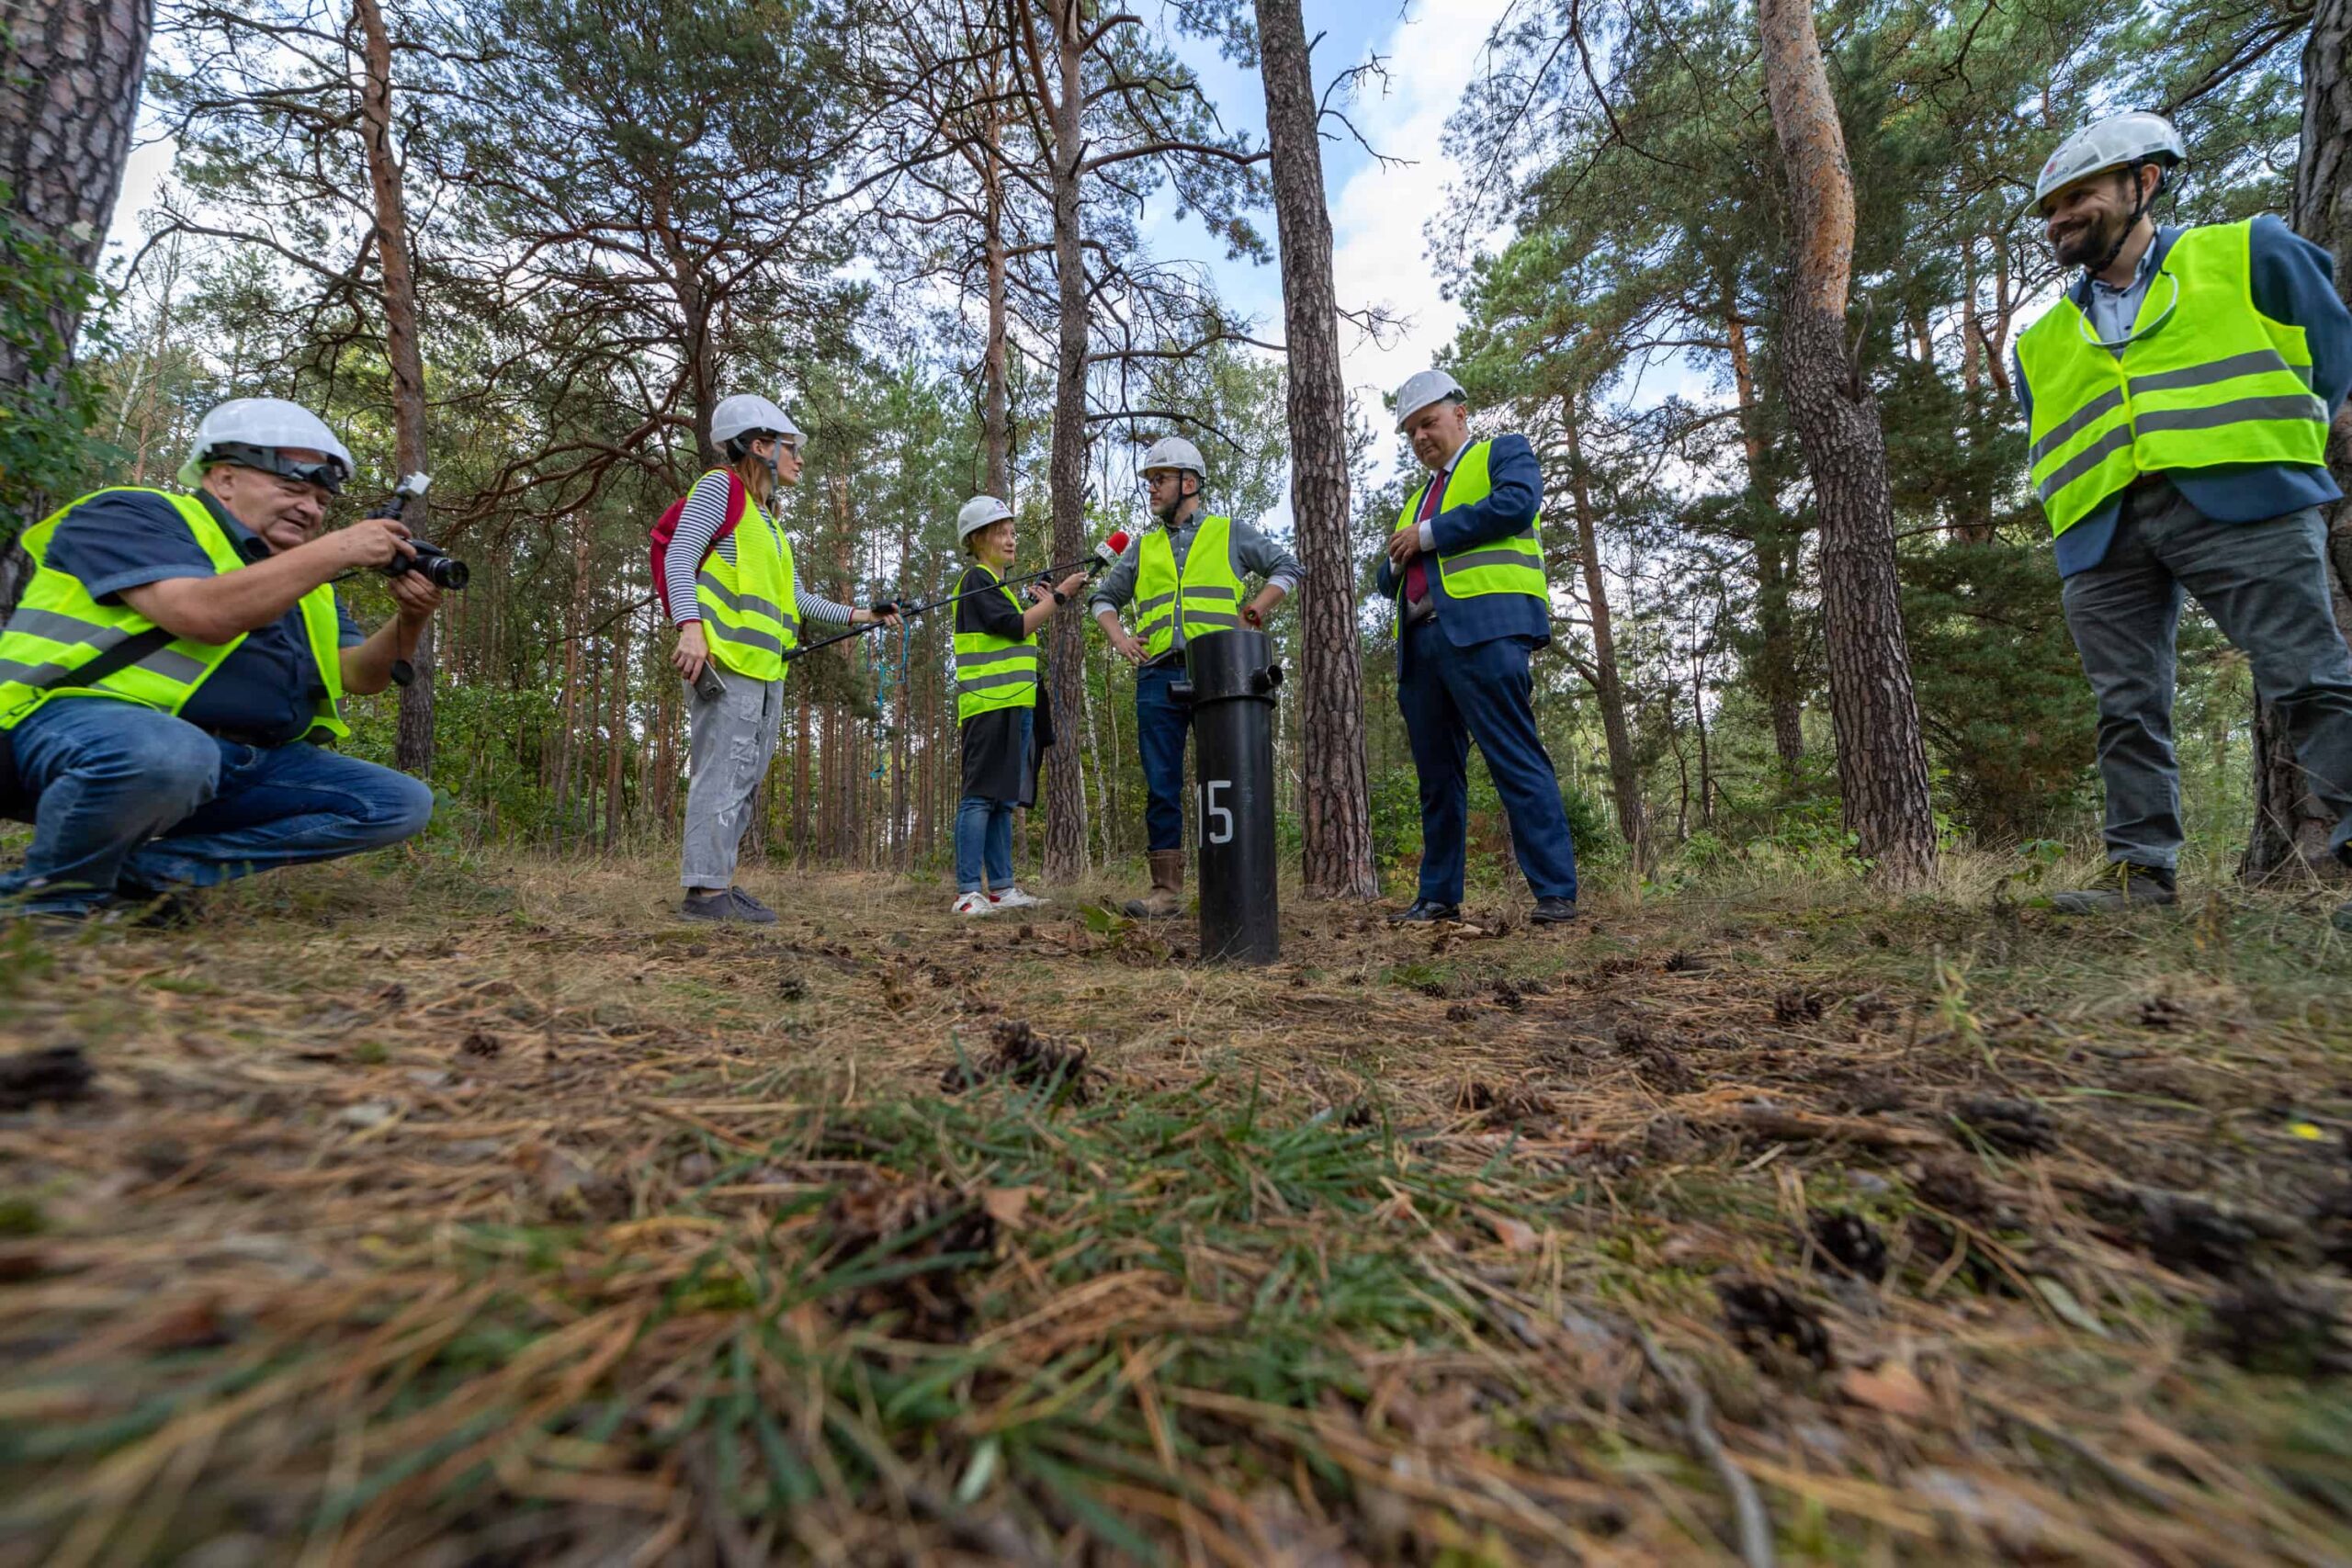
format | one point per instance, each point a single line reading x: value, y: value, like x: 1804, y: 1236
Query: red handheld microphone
x: 1109, y: 551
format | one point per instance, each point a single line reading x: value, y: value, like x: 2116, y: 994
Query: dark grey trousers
x: 2266, y: 586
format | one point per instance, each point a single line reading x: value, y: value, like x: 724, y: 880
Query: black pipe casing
x: 1234, y: 678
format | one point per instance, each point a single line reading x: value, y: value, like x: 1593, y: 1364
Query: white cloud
x: 1380, y: 257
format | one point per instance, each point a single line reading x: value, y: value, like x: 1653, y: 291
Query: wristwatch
x: 1059, y: 597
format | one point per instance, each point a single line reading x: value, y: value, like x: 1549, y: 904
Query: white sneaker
x: 974, y: 904
x: 1013, y: 898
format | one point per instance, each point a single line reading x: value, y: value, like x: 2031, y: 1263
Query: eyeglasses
x: 327, y: 473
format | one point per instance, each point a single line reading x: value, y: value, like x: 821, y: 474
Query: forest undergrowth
x: 428, y: 1210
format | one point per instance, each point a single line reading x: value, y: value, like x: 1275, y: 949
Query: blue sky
x: 1433, y: 49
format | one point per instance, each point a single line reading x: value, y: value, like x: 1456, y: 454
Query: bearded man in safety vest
x: 1466, y: 568
x: 174, y: 660
x: 2177, y: 402
x: 1185, y: 578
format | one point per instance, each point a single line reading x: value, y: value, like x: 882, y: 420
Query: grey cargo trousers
x: 2266, y: 586
x: 731, y: 742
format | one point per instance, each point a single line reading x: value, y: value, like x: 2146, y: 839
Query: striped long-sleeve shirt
x: 704, y: 513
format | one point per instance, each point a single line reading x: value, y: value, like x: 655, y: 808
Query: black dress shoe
x: 1553, y: 912
x: 1426, y: 911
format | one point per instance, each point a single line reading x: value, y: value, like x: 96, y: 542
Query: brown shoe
x: 1167, y: 896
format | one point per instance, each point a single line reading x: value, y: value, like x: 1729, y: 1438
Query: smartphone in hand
x: 707, y: 685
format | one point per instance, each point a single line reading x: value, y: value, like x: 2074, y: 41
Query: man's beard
x: 1167, y: 514
x: 2088, y: 242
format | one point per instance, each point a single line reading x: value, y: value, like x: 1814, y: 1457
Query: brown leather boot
x: 1167, y: 895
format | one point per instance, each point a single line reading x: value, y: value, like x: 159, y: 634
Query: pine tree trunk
x: 1624, y: 774
x: 69, y: 95
x: 1699, y: 723
x: 2291, y: 831
x: 412, y: 742
x: 1776, y: 672
x: 800, y: 782
x: 1064, y: 787
x: 1335, y: 796
x: 1882, y: 759
x: 995, y: 370
x: 615, y: 800
x: 575, y: 628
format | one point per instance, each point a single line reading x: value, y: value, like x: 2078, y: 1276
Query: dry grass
x: 427, y: 1211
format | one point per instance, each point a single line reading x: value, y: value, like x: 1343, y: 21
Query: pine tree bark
x: 412, y: 742
x: 1624, y: 772
x: 1064, y: 858
x: 800, y: 781
x: 1882, y: 758
x: 2291, y: 831
x: 1770, y: 535
x: 1335, y: 791
x: 995, y: 419
x: 68, y: 95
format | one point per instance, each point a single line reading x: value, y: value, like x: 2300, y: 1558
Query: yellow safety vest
x: 1209, y: 590
x: 750, y: 617
x: 59, y: 629
x: 994, y: 673
x: 2206, y: 379
x: 1506, y: 565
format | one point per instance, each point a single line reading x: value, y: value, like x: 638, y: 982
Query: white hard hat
x: 2117, y: 141
x: 1174, y: 452
x: 978, y: 514
x: 748, y: 413
x: 265, y: 426
x: 1420, y: 391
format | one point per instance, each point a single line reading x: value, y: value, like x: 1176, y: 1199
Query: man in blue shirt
x: 1466, y: 572
x: 191, y: 764
x: 2247, y: 538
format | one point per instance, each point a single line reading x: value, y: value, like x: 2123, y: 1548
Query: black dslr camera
x: 431, y: 562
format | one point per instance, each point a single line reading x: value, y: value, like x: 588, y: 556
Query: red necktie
x: 1417, y: 577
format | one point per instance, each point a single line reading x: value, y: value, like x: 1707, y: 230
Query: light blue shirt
x: 2113, y: 310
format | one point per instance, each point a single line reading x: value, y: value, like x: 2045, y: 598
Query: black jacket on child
x: 996, y: 767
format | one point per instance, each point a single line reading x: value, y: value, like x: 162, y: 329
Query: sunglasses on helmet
x: 327, y: 473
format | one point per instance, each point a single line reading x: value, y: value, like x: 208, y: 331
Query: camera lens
x: 447, y: 573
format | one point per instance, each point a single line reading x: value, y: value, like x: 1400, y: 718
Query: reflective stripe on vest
x: 2211, y: 381
x: 751, y: 617
x: 1504, y: 566
x: 1209, y: 594
x: 59, y: 628
x: 992, y: 672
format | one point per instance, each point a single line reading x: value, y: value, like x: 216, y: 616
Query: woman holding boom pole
x: 729, y: 582
x: 996, y: 705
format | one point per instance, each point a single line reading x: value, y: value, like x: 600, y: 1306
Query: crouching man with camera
x: 172, y: 662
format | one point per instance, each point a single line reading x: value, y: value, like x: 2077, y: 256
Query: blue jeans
x: 1452, y: 696
x: 1162, y: 725
x: 135, y: 800
x: 983, y: 839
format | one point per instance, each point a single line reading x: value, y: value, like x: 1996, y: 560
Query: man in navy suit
x: 1467, y: 571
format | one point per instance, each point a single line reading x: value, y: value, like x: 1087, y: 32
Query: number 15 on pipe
x: 1217, y: 820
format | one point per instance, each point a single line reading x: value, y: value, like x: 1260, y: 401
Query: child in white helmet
x: 996, y: 705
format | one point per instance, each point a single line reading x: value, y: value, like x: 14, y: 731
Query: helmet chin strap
x: 2139, y: 209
